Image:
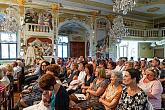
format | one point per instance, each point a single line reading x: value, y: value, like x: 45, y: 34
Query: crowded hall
x: 82, y: 54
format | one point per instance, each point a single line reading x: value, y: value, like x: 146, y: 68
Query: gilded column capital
x: 55, y: 8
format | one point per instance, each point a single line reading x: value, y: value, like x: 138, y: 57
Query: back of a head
x: 54, y: 68
x: 47, y: 82
x: 102, y: 72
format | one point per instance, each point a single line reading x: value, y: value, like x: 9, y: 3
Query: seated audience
x: 54, y: 69
x: 95, y: 90
x: 111, y: 66
x: 75, y: 84
x: 38, y: 72
x: 74, y: 73
x: 5, y: 80
x: 88, y: 78
x: 111, y: 96
x: 162, y: 75
x: 2, y: 87
x: 152, y: 87
x: 32, y: 93
x: 59, y: 97
x: 143, y: 67
x: 120, y: 65
x: 132, y: 98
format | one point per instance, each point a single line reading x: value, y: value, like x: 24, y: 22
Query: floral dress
x: 136, y: 102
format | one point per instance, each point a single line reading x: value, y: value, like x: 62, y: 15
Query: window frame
x: 16, y: 43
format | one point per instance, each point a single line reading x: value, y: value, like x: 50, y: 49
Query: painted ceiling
x: 144, y: 9
x: 147, y: 9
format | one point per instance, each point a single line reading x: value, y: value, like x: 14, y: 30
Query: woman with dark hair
x: 111, y: 66
x: 88, y: 78
x: 132, y: 98
x: 39, y: 72
x: 32, y: 92
x: 59, y: 96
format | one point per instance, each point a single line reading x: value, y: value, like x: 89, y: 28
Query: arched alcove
x: 78, y: 37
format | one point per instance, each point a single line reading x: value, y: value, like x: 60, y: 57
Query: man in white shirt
x: 120, y: 65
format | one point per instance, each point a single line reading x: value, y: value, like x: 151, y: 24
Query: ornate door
x: 77, y: 49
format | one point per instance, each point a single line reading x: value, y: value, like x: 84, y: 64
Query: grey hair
x: 118, y: 74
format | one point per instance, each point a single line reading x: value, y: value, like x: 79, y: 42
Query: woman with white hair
x: 113, y: 92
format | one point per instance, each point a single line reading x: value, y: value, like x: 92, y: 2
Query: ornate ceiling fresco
x: 145, y: 9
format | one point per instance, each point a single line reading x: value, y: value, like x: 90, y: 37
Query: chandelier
x: 9, y: 20
x: 123, y: 6
x: 118, y: 30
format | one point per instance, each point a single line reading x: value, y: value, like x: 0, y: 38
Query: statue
x: 30, y: 55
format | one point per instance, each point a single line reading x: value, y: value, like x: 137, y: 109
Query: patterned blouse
x: 93, y: 99
x: 136, y: 102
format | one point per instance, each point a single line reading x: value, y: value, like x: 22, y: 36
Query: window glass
x: 63, y: 39
x: 59, y: 50
x: 13, y: 50
x: 8, y: 44
x: 5, y: 52
x: 65, y: 51
x: 5, y: 37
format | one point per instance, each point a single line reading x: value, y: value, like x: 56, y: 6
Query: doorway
x: 77, y: 49
x: 77, y: 33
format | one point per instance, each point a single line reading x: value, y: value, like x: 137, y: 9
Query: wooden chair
x: 18, y: 81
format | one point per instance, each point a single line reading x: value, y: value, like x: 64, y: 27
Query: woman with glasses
x: 152, y: 87
x: 32, y: 93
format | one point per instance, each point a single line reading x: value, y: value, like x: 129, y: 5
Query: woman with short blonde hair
x: 152, y: 87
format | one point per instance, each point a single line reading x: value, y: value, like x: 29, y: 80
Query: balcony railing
x: 146, y: 32
x: 45, y: 30
x: 37, y: 28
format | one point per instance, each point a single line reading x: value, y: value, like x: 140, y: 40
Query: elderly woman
x: 96, y: 89
x: 111, y: 96
x: 152, y: 87
x: 132, y: 98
